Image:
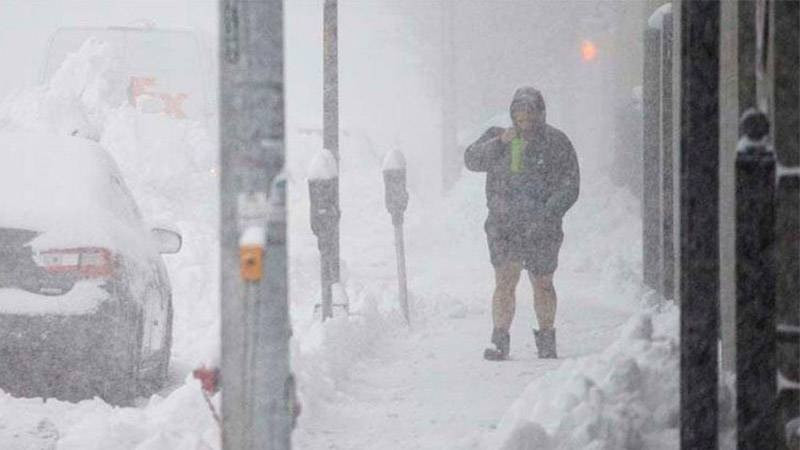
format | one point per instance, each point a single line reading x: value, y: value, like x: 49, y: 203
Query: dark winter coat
x: 540, y: 194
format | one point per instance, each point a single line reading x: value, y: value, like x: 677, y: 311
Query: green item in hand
x: 517, y: 144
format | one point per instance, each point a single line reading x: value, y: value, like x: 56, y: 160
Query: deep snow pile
x: 624, y: 398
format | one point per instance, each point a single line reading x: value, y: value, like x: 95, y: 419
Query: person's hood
x: 532, y: 98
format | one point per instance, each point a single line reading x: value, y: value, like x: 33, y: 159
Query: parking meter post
x: 330, y: 125
x: 396, y: 196
x: 257, y: 405
x: 401, y: 270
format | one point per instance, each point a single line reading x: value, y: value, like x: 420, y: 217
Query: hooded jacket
x: 547, y: 184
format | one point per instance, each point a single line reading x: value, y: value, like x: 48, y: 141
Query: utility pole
x: 258, y: 401
x: 330, y: 132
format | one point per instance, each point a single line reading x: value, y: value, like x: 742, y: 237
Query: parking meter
x: 394, y: 179
x: 323, y: 194
x: 323, y: 191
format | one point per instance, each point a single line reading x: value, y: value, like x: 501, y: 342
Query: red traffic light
x: 588, y: 50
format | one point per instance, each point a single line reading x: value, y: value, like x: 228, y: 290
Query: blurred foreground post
x: 667, y: 187
x: 394, y: 178
x: 699, y: 222
x: 258, y: 401
x: 651, y: 198
x: 755, y: 286
x: 330, y: 133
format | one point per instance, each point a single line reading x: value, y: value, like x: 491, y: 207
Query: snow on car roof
x: 41, y: 174
x: 66, y: 187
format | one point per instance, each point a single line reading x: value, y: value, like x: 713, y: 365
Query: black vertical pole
x: 786, y: 100
x: 699, y: 222
x: 755, y: 287
x: 746, y: 52
x: 786, y: 254
x: 651, y: 200
x: 667, y: 195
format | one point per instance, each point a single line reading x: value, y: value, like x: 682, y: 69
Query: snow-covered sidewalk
x: 428, y: 386
x: 432, y: 389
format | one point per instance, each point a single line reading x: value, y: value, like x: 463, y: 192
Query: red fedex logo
x: 143, y: 86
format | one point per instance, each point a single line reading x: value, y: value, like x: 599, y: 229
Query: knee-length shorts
x: 535, y: 247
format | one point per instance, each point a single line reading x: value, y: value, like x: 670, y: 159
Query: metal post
x: 786, y: 113
x: 755, y: 286
x: 667, y: 195
x: 257, y: 405
x: 394, y: 178
x: 740, y: 51
x: 699, y: 222
x: 786, y: 303
x: 400, y: 250
x: 330, y: 66
x: 651, y: 198
x: 330, y: 113
x: 746, y: 52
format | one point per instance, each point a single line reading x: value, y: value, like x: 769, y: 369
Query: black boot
x: 502, y: 341
x: 546, y: 343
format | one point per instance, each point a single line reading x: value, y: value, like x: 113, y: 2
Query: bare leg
x: 504, y: 299
x: 545, y: 300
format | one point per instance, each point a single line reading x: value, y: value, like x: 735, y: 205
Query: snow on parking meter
x: 394, y: 178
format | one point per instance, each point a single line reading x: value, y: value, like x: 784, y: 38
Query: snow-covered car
x: 85, y: 300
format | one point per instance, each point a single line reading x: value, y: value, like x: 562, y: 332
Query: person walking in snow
x: 532, y: 179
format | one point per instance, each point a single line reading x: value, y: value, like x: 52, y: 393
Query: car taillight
x: 83, y: 262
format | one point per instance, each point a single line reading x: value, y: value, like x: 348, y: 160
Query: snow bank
x: 179, y: 421
x: 626, y: 397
